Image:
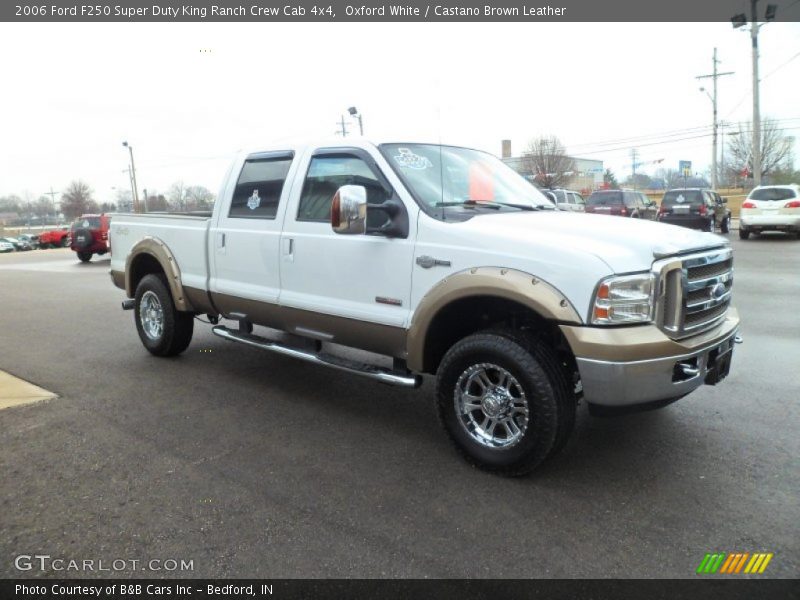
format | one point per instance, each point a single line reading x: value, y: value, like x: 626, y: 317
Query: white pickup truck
x: 448, y: 262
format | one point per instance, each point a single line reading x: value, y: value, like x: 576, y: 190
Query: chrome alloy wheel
x: 151, y: 315
x: 491, y: 406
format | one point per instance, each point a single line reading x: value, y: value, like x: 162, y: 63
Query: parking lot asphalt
x: 252, y: 464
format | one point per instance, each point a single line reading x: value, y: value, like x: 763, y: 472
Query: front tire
x: 164, y: 330
x: 504, y: 401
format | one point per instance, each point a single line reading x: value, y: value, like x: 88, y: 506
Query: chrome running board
x: 381, y: 374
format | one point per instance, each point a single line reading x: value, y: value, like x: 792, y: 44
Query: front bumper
x: 640, y: 365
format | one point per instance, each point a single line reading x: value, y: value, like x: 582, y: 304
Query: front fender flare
x: 510, y: 284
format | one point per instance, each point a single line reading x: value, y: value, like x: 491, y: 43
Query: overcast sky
x: 73, y: 92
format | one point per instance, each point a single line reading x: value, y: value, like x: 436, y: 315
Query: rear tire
x: 85, y: 256
x: 712, y: 226
x: 743, y: 233
x: 725, y: 226
x: 504, y: 401
x: 164, y: 330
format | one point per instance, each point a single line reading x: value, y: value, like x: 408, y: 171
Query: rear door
x: 245, y: 240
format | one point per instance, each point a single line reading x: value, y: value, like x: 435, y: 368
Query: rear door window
x: 258, y: 189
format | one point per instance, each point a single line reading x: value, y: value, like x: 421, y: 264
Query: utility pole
x: 754, y: 27
x: 52, y: 195
x: 634, y: 156
x: 714, y: 76
x: 343, y: 125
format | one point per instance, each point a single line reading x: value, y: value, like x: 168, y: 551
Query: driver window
x: 326, y: 174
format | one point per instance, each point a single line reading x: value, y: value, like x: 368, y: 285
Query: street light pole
x: 740, y: 20
x: 136, y: 207
x: 355, y: 113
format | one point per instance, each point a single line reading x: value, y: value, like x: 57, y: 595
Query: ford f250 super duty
x: 448, y: 262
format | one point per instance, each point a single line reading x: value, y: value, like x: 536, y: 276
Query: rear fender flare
x: 161, y: 252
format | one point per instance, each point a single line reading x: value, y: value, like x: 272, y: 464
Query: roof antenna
x: 441, y: 165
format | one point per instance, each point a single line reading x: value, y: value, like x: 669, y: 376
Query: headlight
x: 624, y: 299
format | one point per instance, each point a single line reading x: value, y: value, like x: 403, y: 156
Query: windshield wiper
x: 491, y: 204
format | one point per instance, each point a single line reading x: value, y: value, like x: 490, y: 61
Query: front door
x: 331, y: 280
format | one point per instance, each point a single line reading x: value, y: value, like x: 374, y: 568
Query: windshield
x: 687, y: 197
x: 604, y: 198
x: 462, y: 181
x: 772, y: 194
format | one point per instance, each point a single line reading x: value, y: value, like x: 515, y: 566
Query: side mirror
x: 349, y: 210
x: 724, y: 200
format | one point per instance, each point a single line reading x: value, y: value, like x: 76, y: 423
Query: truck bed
x: 184, y: 234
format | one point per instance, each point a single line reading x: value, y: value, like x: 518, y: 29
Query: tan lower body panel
x: 642, y: 342
x: 373, y: 337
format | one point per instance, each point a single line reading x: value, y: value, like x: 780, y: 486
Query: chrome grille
x: 694, y: 291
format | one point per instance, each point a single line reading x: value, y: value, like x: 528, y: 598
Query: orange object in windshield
x: 481, y: 184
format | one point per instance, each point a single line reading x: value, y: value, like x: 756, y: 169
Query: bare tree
x: 124, y: 201
x: 198, y: 198
x: 776, y: 149
x: 546, y: 161
x: 43, y: 207
x: 108, y: 207
x: 77, y: 200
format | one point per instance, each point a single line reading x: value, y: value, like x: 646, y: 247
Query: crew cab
x: 89, y: 236
x: 447, y: 262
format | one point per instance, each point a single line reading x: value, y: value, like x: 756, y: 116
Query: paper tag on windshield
x: 408, y: 159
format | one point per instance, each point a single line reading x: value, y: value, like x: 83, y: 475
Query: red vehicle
x: 89, y: 235
x: 55, y: 238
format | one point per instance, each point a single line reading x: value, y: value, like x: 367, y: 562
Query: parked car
x: 771, y: 208
x: 6, y: 246
x: 448, y: 263
x: 623, y: 203
x: 55, y: 238
x: 31, y: 238
x: 19, y: 244
x: 695, y: 208
x: 566, y: 199
x: 89, y: 235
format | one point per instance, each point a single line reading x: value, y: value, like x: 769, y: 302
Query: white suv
x: 771, y: 208
x: 566, y: 200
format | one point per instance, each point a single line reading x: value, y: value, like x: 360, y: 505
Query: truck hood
x: 626, y: 245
